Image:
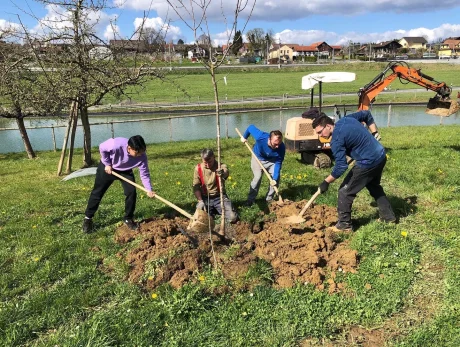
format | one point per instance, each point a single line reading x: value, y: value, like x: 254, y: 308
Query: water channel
x: 188, y: 128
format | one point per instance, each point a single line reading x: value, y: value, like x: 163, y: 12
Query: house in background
x: 386, y: 48
x: 412, y: 44
x: 319, y: 49
x: 450, y: 47
x: 283, y: 51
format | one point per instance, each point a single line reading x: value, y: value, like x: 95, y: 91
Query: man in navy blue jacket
x: 351, y: 138
x: 270, y: 150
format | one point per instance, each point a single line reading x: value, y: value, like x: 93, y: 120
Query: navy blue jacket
x: 351, y: 138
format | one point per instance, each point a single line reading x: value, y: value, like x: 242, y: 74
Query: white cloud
x: 58, y: 20
x: 279, y: 10
x: 170, y: 32
x: 306, y: 37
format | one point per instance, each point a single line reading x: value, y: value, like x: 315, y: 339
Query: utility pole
x: 170, y: 67
x: 279, y: 57
x: 349, y: 51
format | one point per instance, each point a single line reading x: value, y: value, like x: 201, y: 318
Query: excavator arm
x: 440, y: 105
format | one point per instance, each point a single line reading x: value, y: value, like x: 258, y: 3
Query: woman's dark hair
x: 137, y: 143
x: 322, y: 120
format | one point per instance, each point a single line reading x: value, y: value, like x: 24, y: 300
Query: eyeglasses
x: 321, y: 131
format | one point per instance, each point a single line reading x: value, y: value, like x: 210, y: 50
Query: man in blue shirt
x: 351, y: 138
x: 270, y: 150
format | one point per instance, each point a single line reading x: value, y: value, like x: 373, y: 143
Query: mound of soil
x: 307, y: 252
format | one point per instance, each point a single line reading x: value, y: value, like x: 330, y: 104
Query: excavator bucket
x: 441, y: 108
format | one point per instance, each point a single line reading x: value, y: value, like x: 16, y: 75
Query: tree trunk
x: 25, y: 137
x: 87, y: 160
x: 216, y: 100
x: 74, y: 117
x: 66, y: 138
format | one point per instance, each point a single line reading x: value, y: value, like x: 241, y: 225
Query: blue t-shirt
x: 263, y: 151
x: 351, y: 138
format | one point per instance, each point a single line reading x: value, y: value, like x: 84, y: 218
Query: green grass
x: 53, y: 290
x: 195, y: 85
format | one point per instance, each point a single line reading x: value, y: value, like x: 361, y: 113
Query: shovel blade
x: 296, y: 219
x: 201, y: 222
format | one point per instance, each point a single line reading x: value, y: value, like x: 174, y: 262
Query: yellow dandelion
x: 304, y: 175
x: 299, y: 177
x: 404, y: 233
x: 244, y: 314
x: 388, y: 157
x: 439, y: 170
x: 36, y: 259
x: 34, y: 226
x: 150, y: 278
x: 178, y: 183
x: 291, y: 177
x: 154, y: 295
x: 229, y: 178
x: 201, y: 278
x: 166, y: 173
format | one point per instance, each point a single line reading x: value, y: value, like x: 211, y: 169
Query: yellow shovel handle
x: 170, y: 204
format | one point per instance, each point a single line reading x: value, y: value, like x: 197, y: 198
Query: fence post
x: 281, y: 120
x: 389, y: 116
x: 113, y: 132
x: 170, y: 129
x: 226, y: 125
x: 54, y: 139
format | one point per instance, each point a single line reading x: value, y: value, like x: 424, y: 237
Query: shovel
x: 298, y: 218
x: 199, y: 221
x: 280, y: 201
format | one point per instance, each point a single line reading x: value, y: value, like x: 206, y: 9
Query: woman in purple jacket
x: 122, y: 156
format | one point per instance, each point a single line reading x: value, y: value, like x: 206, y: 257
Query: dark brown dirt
x: 306, y: 252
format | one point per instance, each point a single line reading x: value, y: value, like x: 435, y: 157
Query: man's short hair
x: 322, y: 120
x: 137, y: 143
x: 207, y: 153
x: 276, y: 133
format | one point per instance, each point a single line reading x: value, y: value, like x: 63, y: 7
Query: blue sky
x: 291, y: 21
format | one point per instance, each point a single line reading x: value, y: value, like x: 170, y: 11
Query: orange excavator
x: 439, y: 105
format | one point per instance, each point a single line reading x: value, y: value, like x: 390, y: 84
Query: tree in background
x: 237, y: 42
x: 25, y: 92
x: 256, y: 38
x: 85, y: 79
x: 194, y: 14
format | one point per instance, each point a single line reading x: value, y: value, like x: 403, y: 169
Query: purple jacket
x: 114, y: 152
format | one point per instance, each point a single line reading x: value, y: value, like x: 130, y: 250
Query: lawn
x: 195, y: 85
x: 54, y: 289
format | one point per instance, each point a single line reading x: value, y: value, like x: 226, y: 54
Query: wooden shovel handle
x: 307, y: 205
x: 264, y: 169
x: 170, y: 204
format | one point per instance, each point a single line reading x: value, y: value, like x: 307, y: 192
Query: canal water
x: 189, y: 128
